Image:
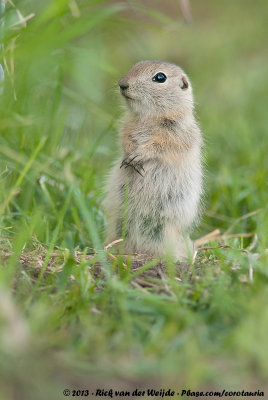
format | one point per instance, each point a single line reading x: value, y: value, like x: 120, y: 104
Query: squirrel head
x: 156, y: 88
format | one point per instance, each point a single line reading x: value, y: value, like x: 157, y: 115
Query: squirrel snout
x: 123, y: 84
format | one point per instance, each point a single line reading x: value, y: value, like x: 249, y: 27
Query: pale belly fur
x: 154, y: 212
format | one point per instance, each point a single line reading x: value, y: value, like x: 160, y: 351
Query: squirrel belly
x: 154, y: 212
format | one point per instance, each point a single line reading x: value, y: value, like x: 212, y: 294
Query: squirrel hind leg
x: 171, y: 243
x: 178, y: 245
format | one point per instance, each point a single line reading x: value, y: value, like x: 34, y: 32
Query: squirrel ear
x: 184, y: 83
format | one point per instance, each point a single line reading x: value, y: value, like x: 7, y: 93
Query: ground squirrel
x: 153, y: 190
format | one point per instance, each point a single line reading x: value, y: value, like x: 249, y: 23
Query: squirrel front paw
x: 134, y: 161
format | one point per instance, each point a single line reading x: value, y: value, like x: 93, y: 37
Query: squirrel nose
x: 123, y: 84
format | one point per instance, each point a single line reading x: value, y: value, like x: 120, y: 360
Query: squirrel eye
x: 160, y: 77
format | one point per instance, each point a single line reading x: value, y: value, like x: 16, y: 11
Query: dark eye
x: 160, y: 77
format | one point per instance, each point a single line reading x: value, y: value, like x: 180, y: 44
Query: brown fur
x: 160, y: 165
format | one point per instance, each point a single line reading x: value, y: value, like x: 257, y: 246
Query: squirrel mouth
x: 125, y: 95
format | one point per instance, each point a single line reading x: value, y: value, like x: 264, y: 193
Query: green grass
x: 70, y: 315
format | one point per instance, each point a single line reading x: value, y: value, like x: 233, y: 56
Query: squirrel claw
x: 137, y: 166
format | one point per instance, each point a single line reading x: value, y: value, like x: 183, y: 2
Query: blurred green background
x: 59, y: 119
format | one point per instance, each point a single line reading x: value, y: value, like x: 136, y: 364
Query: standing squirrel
x: 154, y: 189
